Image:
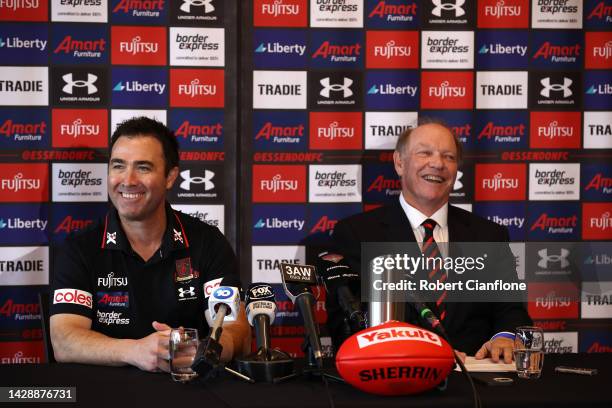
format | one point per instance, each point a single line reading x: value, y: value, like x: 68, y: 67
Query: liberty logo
x: 344, y: 87
x: 71, y: 83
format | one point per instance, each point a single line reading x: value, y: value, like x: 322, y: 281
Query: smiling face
x: 427, y: 167
x: 137, y: 182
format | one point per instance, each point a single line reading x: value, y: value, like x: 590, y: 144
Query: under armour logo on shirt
x: 183, y: 292
x: 111, y: 238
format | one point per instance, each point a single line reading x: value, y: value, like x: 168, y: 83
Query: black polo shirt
x: 98, y: 275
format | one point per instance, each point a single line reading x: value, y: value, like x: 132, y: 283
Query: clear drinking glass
x: 529, y: 352
x: 183, y: 346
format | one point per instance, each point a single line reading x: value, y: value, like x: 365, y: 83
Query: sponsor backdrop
x: 325, y: 87
x: 71, y: 71
x: 527, y: 87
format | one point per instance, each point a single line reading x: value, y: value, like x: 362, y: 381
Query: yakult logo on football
x: 397, y: 334
x: 73, y: 296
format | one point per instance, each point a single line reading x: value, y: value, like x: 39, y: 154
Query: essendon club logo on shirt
x: 24, y: 182
x: 503, y: 14
x: 597, y: 221
x: 138, y: 45
x: 201, y: 88
x: 24, y: 10
x: 80, y: 128
x: 447, y: 90
x: 553, y: 300
x: 555, y: 130
x: 392, y: 49
x: 598, y: 50
x: 500, y: 182
x: 335, y: 130
x: 279, y: 184
x: 280, y: 13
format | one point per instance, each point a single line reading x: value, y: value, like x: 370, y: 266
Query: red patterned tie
x: 430, y: 250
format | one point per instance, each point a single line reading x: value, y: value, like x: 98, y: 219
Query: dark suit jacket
x: 468, y: 325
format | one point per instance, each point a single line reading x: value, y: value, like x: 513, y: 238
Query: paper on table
x: 486, y: 365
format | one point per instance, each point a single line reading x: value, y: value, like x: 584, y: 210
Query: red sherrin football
x: 394, y: 358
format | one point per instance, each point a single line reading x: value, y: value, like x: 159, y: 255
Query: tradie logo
x: 194, y: 88
x: 206, y: 180
x: 278, y: 184
x: 71, y: 83
x: 500, y: 10
x: 390, y: 50
x: 545, y: 258
x: 207, y: 4
x: 548, y: 87
x: 137, y: 46
x: 345, y: 87
x: 448, y: 5
x: 498, y: 182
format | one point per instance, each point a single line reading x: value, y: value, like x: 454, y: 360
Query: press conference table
x: 127, y: 386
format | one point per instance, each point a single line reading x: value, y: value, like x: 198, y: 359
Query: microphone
x: 296, y: 282
x: 260, y: 312
x: 337, y: 275
x: 223, y: 304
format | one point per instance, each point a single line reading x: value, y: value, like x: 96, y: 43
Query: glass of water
x: 183, y: 346
x: 529, y: 351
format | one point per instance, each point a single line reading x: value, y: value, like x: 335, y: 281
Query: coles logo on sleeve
x: 598, y: 52
x: 73, y: 296
x: 197, y: 88
x: 392, y: 14
x: 597, y: 182
x: 555, y: 130
x: 278, y: 130
x: 447, y: 90
x: 553, y: 223
x: 138, y: 45
x: 24, y: 44
x: 24, y: 128
x: 503, y: 14
x: 392, y: 49
x: 24, y: 182
x: 335, y: 131
x: 500, y: 182
x: 280, y: 13
x: 25, y: 10
x: 597, y: 221
x: 553, y: 300
x: 79, y: 44
x: 75, y: 128
x: 284, y: 183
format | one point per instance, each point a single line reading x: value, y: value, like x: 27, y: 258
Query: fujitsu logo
x: 397, y: 334
x: 278, y: 184
x: 603, y: 223
x: 554, y: 224
x: 277, y: 8
x: 553, y: 130
x: 137, y: 46
x: 551, y: 300
x: 111, y: 281
x: 448, y: 5
x: 18, y: 358
x: 194, y: 88
x: 338, y: 53
x: 268, y: 130
x: 77, y: 128
x: 498, y: 182
x: 18, y: 183
x: 445, y: 90
x: 500, y: 10
x: 380, y: 183
x: 390, y: 50
x: 81, y: 48
x: 20, y: 4
x: 605, y: 51
x: 600, y: 182
x: 334, y: 130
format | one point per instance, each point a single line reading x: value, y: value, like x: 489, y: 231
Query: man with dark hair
x: 426, y: 159
x: 120, y: 285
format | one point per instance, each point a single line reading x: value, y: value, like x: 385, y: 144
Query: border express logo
x: 79, y: 44
x: 336, y: 131
x: 501, y: 130
x: 555, y: 130
x: 510, y: 215
x: 78, y: 86
x: 197, y: 46
x: 392, y: 14
x: 197, y: 88
x: 282, y: 183
x: 561, y: 14
x: 76, y: 128
x: 502, y: 49
x: 553, y: 223
x: 392, y: 90
x: 447, y: 90
x: 334, y: 183
x: 501, y: 90
x: 92, y: 11
x: 24, y: 44
x: 33, y: 10
x: 383, y: 128
x: 24, y: 182
x: 555, y: 90
x: 24, y: 86
x: 280, y: 131
x: 280, y: 48
x: 336, y: 49
x: 24, y: 224
x: 138, y: 45
x: 557, y: 49
x: 278, y: 224
x: 335, y: 90
x: 500, y: 182
x: 197, y: 11
x: 279, y: 89
x: 22, y: 128
x: 280, y: 13
x: 598, y: 89
x: 597, y: 182
x: 139, y: 87
x: 341, y: 13
x: 196, y: 129
x: 139, y: 12
x: 79, y: 181
x: 503, y: 14
x: 447, y: 49
x: 392, y: 49
x: 554, y: 181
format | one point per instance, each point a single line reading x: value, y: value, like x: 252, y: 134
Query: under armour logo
x: 447, y: 6
x: 208, y: 6
x: 177, y: 235
x: 71, y: 83
x: 111, y: 238
x: 458, y: 184
x: 206, y: 180
x: 345, y: 87
x: 183, y: 292
x: 565, y: 87
x: 545, y: 258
